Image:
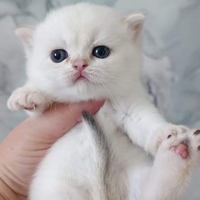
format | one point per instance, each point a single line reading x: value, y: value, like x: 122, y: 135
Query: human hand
x: 27, y: 144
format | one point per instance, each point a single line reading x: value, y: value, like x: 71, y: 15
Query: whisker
x: 119, y: 78
x: 113, y: 86
x: 106, y: 82
x: 106, y: 74
x: 112, y: 97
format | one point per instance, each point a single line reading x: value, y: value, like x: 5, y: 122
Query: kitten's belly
x: 72, y: 163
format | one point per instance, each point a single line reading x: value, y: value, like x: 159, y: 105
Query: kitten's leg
x: 28, y: 98
x: 172, y: 168
x: 145, y: 126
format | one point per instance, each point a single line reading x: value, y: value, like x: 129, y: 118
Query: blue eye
x: 59, y: 55
x: 101, y: 52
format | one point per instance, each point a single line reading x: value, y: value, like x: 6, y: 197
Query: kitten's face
x: 84, y: 52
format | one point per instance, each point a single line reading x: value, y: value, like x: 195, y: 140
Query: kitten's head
x: 83, y: 52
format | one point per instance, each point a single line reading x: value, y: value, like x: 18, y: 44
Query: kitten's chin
x: 82, y: 90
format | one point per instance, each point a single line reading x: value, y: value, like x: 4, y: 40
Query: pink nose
x: 80, y: 65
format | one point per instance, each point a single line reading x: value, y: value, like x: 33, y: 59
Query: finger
x: 60, y: 118
x: 41, y: 132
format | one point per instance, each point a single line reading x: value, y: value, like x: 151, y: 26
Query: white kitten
x: 84, y: 52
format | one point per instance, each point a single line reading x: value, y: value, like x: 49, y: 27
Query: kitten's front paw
x: 182, y: 151
x: 162, y: 134
x: 26, y: 99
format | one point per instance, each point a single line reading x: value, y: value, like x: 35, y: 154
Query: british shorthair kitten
x: 83, y: 52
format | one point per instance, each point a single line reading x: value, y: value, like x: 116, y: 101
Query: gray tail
x: 102, y: 153
x: 98, y: 134
x: 108, y: 186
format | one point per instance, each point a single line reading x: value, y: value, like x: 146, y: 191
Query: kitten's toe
x: 181, y: 150
x: 164, y: 133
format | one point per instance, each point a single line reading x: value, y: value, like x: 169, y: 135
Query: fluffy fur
x: 102, y: 158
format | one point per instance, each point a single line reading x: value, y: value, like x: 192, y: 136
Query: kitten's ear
x: 25, y: 33
x: 135, y: 23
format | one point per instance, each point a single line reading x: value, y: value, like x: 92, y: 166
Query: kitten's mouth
x: 80, y: 77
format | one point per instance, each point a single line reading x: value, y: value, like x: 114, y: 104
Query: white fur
x: 71, y: 169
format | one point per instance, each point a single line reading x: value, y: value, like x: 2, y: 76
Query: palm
x: 21, y: 164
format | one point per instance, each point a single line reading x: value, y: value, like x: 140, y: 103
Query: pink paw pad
x: 180, y: 149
